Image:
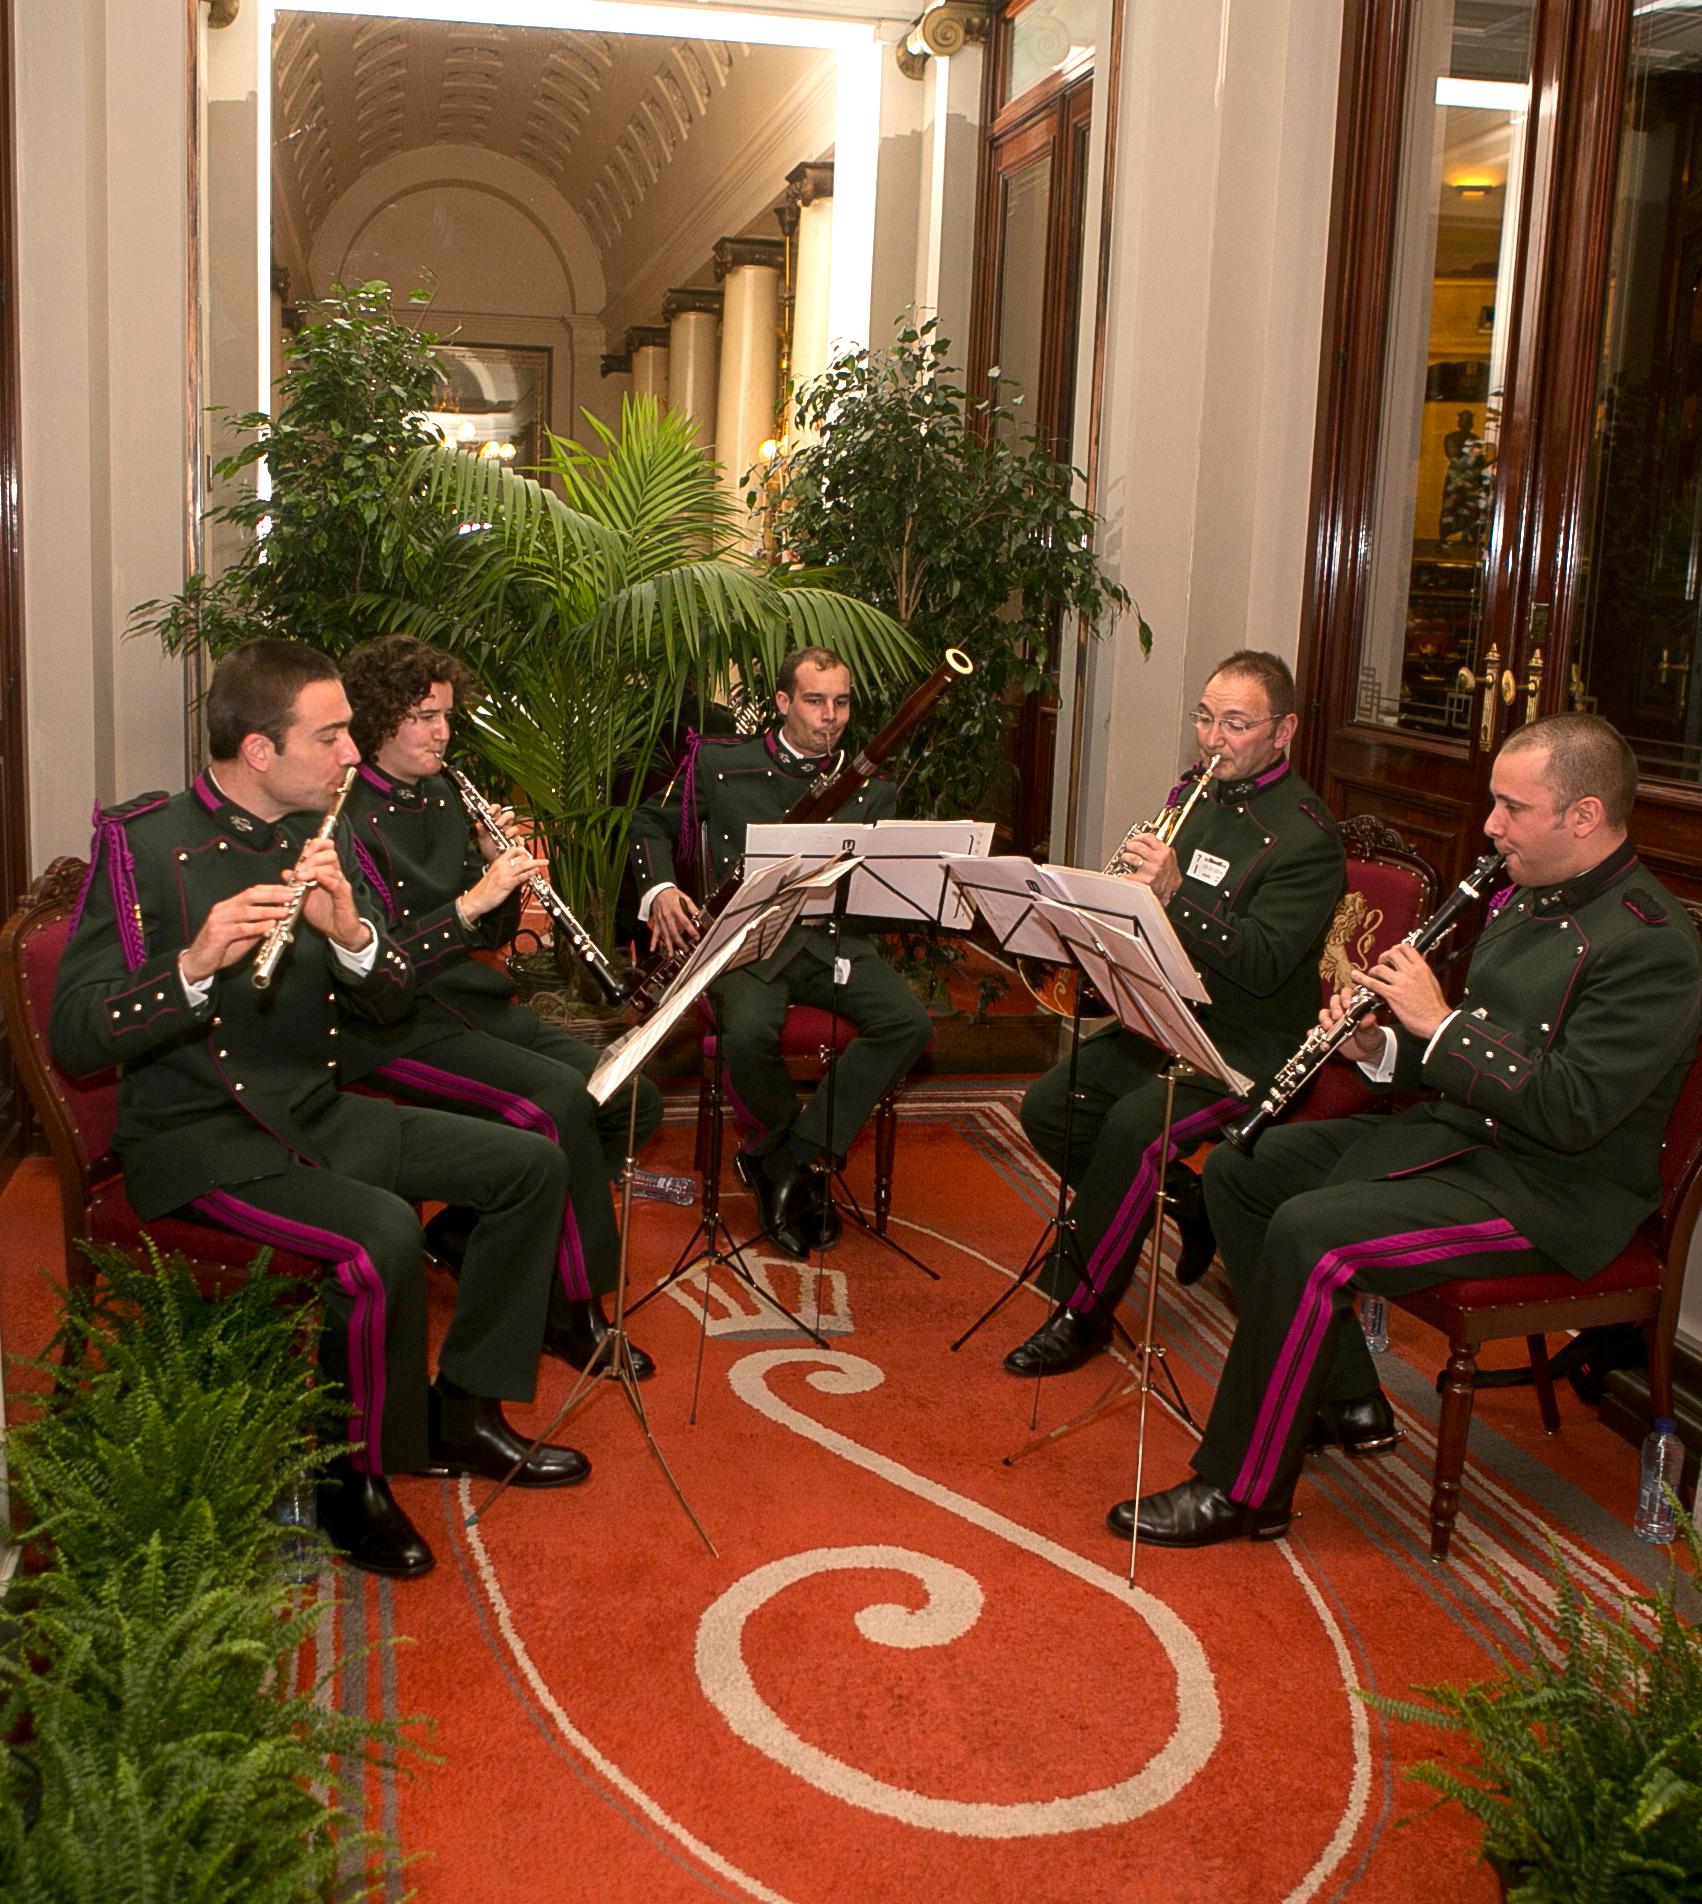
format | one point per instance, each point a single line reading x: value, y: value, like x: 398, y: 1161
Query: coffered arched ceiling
x: 620, y: 126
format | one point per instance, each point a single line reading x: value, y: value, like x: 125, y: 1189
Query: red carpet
x: 913, y: 1672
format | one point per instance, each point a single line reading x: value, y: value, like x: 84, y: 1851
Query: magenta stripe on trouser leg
x: 430, y: 1081
x: 358, y: 1277
x: 1309, y: 1329
x: 1133, y: 1211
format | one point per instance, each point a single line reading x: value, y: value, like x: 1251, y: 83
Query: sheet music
x: 902, y: 875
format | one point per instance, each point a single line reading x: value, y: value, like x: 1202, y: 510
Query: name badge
x: 842, y: 971
x: 1207, y: 868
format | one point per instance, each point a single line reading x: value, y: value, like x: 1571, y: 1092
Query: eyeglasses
x: 1236, y: 726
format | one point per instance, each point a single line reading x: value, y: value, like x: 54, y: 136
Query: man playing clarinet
x: 724, y: 785
x: 449, y: 891
x: 228, y: 1107
x: 1250, y: 884
x: 1538, y: 1149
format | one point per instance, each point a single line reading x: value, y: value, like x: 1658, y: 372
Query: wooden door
x: 1508, y: 485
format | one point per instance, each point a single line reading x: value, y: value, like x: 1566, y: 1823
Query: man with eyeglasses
x: 1250, y: 884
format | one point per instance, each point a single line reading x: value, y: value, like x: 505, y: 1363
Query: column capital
x: 730, y: 253
x: 812, y: 180
x: 646, y: 337
x: 615, y: 363
x: 691, y: 297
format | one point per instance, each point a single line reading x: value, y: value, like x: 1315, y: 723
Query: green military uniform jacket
x: 1262, y: 870
x: 228, y: 1090
x: 723, y: 785
x: 416, y: 849
x: 1558, y: 1074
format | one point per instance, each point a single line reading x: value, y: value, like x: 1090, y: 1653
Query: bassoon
x: 1322, y: 1040
x: 823, y: 798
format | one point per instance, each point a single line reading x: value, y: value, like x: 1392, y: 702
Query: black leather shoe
x: 574, y: 1338
x: 447, y: 1235
x: 1195, y: 1514
x: 821, y: 1224
x: 1187, y: 1206
x: 782, y: 1203
x: 1066, y: 1342
x: 367, y: 1526
x: 468, y: 1434
x: 1365, y: 1425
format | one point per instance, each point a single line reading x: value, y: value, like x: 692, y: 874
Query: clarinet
x: 826, y: 794
x: 277, y: 941
x: 608, y: 980
x: 1322, y: 1040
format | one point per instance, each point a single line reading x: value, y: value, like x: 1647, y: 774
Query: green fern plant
x: 1587, y: 1758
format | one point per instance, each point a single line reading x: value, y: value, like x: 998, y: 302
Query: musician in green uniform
x: 228, y: 1107
x: 469, y: 1045
x: 724, y: 785
x: 1538, y: 1150
x: 1250, y: 884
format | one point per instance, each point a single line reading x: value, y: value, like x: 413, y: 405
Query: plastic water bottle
x: 296, y: 1510
x: 1663, y: 1462
x: 661, y: 1186
x: 1374, y: 1320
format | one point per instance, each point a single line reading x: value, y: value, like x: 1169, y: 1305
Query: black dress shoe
x: 1196, y: 1514
x: 1364, y: 1425
x: 468, y: 1434
x: 1187, y: 1206
x: 367, y: 1526
x: 1066, y: 1342
x: 447, y: 1236
x: 782, y: 1203
x: 575, y: 1335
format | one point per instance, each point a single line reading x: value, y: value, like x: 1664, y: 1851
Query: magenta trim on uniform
x: 1132, y: 1212
x: 1309, y: 1329
x: 359, y: 1279
x: 1272, y: 774
x: 686, y: 853
x: 368, y: 866
x: 373, y: 777
x: 523, y: 1114
x: 207, y: 793
x: 121, y: 873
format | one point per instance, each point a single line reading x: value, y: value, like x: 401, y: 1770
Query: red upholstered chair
x: 1642, y: 1284
x: 80, y: 1115
x: 806, y: 1039
x: 1390, y: 890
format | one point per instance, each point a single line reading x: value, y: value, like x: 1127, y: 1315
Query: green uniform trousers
x: 1297, y: 1240
x: 892, y: 1033
x: 374, y: 1341
x: 535, y: 1080
x: 1113, y: 1156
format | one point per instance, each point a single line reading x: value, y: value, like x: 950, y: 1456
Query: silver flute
x: 277, y: 941
x: 608, y: 980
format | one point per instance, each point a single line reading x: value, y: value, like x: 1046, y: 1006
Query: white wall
x: 102, y: 132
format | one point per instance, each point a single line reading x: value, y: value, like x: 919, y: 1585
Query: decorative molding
x: 692, y: 297
x: 645, y: 337
x: 812, y: 180
x: 730, y: 253
x: 223, y: 12
x: 614, y: 363
x: 940, y: 30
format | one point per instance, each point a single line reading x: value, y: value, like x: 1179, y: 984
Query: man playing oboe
x: 723, y: 785
x: 228, y: 1107
x: 449, y: 891
x: 1539, y: 1149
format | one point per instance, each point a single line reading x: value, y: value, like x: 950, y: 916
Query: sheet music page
x: 1005, y: 891
x: 1126, y: 903
x: 902, y: 875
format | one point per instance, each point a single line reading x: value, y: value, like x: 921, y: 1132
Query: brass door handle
x: 1489, y: 681
x: 1533, y: 684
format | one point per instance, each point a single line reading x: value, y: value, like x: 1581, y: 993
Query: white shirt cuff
x: 649, y: 899
x: 1437, y: 1033
x: 360, y: 961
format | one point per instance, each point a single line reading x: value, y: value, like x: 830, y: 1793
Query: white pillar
x: 647, y: 346
x: 810, y: 187
x: 694, y: 357
x: 746, y: 401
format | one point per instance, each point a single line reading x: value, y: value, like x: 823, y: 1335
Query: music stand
x: 761, y: 913
x: 1128, y: 977
x: 900, y: 877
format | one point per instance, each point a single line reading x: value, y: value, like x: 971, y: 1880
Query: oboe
x: 277, y: 941
x: 1322, y: 1040
x: 608, y: 980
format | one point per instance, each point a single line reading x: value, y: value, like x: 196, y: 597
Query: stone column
x: 810, y: 188
x: 647, y: 346
x: 746, y: 401
x: 693, y: 318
